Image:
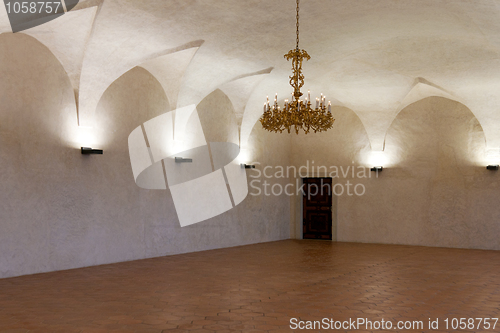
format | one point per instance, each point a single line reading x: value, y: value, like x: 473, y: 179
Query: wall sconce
x: 89, y: 151
x: 183, y: 160
x: 247, y: 166
x: 377, y: 168
x: 492, y: 167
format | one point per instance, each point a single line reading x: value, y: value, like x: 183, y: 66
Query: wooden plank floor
x: 260, y: 288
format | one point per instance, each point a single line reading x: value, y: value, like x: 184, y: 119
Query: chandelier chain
x: 297, y: 24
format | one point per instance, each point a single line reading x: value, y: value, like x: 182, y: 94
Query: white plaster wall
x: 217, y: 118
x: 435, y: 191
x: 61, y: 210
x: 345, y: 143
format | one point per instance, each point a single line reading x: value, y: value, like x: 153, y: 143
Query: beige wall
x: 435, y: 190
x: 60, y: 209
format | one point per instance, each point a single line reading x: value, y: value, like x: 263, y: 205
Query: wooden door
x: 317, y: 208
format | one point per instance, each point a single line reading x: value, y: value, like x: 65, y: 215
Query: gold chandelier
x: 297, y: 113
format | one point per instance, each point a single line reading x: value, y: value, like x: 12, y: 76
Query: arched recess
x: 420, y: 90
x: 436, y: 123
x: 132, y: 99
x: 29, y: 80
x: 169, y: 69
x: 218, y: 118
x: 436, y: 194
x: 68, y: 37
x: 95, y: 80
x: 237, y: 91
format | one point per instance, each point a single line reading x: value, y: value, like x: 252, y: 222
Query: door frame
x: 297, y: 207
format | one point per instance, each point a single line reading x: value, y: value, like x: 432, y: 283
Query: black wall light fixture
x: 183, y: 160
x: 492, y: 167
x: 247, y: 166
x: 377, y: 168
x: 91, y: 151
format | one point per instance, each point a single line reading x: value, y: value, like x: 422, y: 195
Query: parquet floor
x: 261, y: 288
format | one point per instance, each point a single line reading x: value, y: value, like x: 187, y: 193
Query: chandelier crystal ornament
x: 297, y: 112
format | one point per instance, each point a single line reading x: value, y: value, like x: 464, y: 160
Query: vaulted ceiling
x: 374, y: 57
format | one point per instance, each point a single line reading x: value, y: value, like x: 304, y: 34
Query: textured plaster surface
x: 365, y: 55
x: 377, y: 61
x: 434, y: 190
x: 60, y: 209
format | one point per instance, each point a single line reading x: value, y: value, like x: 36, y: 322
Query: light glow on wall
x: 492, y: 156
x: 84, y: 136
x: 378, y: 158
x: 388, y: 158
x: 244, y: 156
x: 75, y: 136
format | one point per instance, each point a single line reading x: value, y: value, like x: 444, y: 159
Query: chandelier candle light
x: 297, y: 112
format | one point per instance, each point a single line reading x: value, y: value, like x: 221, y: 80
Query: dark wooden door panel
x: 318, y: 225
x: 317, y: 208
